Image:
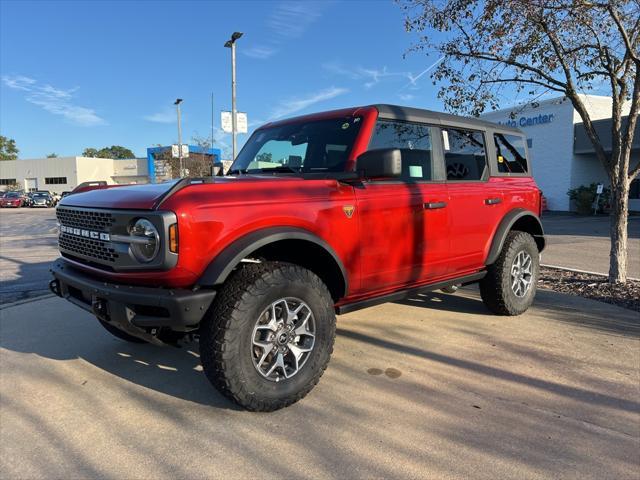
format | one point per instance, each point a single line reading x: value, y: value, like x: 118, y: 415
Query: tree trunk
x: 618, y: 229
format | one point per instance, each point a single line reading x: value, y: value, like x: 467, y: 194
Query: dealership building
x: 561, y: 153
x: 62, y: 174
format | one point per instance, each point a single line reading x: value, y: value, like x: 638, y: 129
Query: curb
x: 4, y: 306
x: 576, y: 270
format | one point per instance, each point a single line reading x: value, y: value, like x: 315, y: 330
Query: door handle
x: 434, y: 205
x: 492, y: 201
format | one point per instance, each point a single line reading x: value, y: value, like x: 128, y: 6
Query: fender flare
x: 505, y: 226
x: 223, y: 264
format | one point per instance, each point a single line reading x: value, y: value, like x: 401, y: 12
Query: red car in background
x: 12, y: 199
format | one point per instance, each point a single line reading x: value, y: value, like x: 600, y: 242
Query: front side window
x: 511, y: 154
x: 464, y: 154
x: 312, y: 147
x: 413, y: 139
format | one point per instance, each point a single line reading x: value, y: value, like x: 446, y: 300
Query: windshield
x: 313, y: 147
x: 12, y: 195
x: 40, y: 195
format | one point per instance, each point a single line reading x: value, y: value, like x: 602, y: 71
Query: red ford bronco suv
x: 320, y: 214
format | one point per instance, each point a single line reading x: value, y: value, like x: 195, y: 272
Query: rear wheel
x: 510, y: 284
x: 268, y: 337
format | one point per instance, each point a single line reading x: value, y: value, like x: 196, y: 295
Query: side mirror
x: 380, y: 163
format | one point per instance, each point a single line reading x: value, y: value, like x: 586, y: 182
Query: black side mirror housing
x: 380, y: 163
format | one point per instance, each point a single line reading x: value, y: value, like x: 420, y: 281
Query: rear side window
x: 414, y: 139
x: 511, y: 154
x: 464, y: 154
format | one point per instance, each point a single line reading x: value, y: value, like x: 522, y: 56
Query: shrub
x: 584, y: 197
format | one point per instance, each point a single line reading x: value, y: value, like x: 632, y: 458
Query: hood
x: 149, y: 196
x: 135, y: 197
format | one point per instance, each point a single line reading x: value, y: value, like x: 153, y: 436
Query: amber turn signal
x: 173, y: 238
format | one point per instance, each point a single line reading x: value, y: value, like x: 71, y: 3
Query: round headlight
x: 146, y: 241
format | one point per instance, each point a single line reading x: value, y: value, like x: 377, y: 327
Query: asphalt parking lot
x: 583, y: 243
x: 28, y: 245
x: 431, y: 387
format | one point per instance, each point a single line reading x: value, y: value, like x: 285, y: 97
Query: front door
x: 404, y: 225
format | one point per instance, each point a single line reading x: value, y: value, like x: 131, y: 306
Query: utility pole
x: 234, y: 124
x: 212, y: 120
x: 177, y: 104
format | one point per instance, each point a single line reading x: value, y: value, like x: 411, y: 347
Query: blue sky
x: 92, y: 74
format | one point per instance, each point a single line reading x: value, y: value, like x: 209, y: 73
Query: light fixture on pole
x: 177, y: 104
x: 234, y: 127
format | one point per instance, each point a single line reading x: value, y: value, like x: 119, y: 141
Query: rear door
x: 403, y: 221
x: 475, y: 200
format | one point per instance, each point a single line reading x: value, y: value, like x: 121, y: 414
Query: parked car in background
x: 12, y: 199
x: 42, y: 199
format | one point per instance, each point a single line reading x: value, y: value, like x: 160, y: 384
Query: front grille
x: 90, y: 220
x: 88, y: 247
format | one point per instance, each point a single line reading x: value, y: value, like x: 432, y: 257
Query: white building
x: 561, y: 154
x: 65, y: 173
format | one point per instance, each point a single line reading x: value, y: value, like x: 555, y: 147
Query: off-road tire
x: 495, y: 287
x: 226, y: 330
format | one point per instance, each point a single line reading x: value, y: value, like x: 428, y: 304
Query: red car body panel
x: 391, y: 241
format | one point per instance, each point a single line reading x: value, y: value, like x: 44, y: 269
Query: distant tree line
x: 114, y: 151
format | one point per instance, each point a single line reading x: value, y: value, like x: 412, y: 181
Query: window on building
x: 529, y: 142
x: 634, y: 190
x: 511, y: 154
x: 464, y: 154
x: 413, y: 139
x: 8, y: 181
x: 55, y: 180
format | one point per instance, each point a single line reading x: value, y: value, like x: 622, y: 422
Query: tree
x: 8, y: 149
x: 493, y: 47
x: 52, y: 155
x: 114, y: 151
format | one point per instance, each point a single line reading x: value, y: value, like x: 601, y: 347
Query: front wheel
x: 510, y: 284
x: 269, y: 335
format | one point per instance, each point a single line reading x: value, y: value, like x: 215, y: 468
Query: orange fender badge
x: 348, y: 210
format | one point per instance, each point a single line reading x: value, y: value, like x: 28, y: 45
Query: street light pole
x: 234, y: 123
x: 177, y: 104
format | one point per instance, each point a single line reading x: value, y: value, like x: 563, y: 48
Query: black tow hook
x: 99, y: 308
x: 54, y: 286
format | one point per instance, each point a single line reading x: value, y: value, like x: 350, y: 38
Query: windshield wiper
x: 281, y: 168
x: 237, y: 171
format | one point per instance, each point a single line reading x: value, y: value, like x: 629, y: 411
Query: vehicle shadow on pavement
x: 20, y: 280
x: 174, y: 371
x: 559, y: 307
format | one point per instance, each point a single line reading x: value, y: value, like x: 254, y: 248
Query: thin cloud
x: 406, y: 97
x: 413, y: 80
x: 165, y: 116
x: 371, y: 76
x: 261, y: 53
x: 53, y: 100
x: 289, y: 20
x: 293, y: 105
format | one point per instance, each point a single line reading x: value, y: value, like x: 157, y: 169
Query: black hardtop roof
x: 410, y: 114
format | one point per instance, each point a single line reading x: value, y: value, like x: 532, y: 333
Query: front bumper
x: 136, y: 310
